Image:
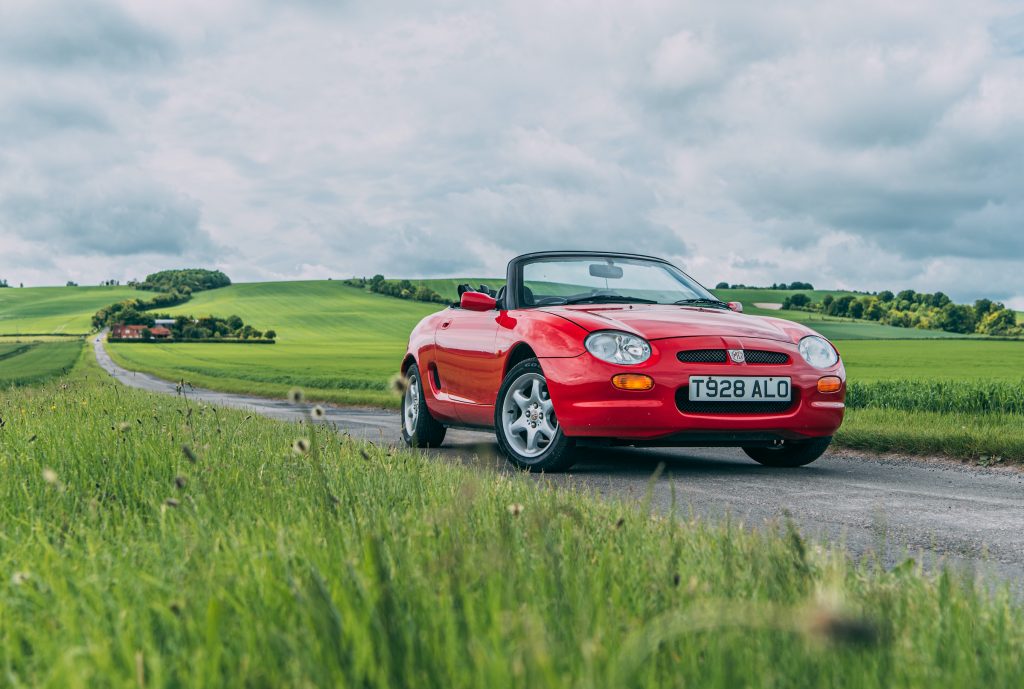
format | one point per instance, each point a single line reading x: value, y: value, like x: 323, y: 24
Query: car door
x: 468, y: 364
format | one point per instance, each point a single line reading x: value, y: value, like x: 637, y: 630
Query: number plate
x: 740, y: 389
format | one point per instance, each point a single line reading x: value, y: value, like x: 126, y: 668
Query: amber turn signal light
x: 830, y: 384
x: 632, y: 381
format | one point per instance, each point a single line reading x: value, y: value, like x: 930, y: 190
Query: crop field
x: 46, y: 310
x: 128, y: 561
x: 25, y: 364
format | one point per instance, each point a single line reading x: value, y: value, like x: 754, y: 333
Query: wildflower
x: 300, y: 446
x: 296, y: 396
x: 180, y: 482
x: 50, y: 476
x: 189, y: 454
x: 171, y: 502
x: 515, y: 509
x: 19, y: 578
x: 317, y: 413
x: 399, y: 384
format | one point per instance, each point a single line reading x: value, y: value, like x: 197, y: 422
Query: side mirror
x: 478, y: 301
x: 736, y: 306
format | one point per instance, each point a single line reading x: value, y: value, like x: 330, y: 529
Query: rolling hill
x: 48, y: 310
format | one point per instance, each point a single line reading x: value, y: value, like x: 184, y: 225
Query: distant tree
x: 147, y: 334
x: 982, y: 307
x: 796, y: 301
x: 1001, y: 322
x: 270, y: 335
x: 3, y: 283
x: 71, y: 283
x: 235, y: 323
x: 885, y: 296
x: 856, y: 309
x: 956, y: 318
x: 722, y: 285
x: 906, y: 295
x: 826, y: 302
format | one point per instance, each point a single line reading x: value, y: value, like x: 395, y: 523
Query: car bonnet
x: 661, y: 321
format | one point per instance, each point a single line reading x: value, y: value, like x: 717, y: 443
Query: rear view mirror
x: 478, y: 301
x: 736, y: 306
x: 605, y: 270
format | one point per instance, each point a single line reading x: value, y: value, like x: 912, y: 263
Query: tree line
x: 403, y: 289
x: 910, y: 309
x: 183, y: 281
x: 775, y: 285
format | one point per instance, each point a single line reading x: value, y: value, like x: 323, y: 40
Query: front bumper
x: 588, y: 406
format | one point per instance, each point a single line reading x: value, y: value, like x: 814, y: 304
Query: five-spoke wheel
x: 525, y: 421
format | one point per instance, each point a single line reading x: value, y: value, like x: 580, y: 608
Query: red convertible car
x: 585, y: 348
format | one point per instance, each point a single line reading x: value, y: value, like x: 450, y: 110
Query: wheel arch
x: 519, y: 353
x: 408, y: 361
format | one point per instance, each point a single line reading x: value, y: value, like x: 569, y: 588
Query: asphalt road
x: 931, y: 509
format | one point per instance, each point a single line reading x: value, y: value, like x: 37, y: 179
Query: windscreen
x: 590, y: 279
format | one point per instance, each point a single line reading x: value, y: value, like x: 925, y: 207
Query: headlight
x: 818, y: 352
x: 618, y: 348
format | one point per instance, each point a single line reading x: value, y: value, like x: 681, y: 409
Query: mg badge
x: 737, y: 356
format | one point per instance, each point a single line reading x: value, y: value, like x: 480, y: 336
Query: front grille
x: 718, y: 356
x: 760, y: 356
x: 685, y: 405
x: 702, y: 356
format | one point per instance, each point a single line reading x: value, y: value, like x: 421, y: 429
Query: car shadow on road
x: 629, y: 462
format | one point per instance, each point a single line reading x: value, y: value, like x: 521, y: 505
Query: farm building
x: 134, y: 332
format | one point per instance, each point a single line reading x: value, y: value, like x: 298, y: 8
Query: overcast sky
x: 852, y: 144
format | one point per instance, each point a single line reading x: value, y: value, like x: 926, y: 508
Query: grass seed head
x: 50, y: 476
x: 19, y: 578
x: 189, y: 454
x: 124, y: 426
x: 296, y: 396
x: 399, y: 384
x: 515, y: 509
x: 300, y: 446
x: 180, y: 482
x: 171, y: 502
x: 317, y: 413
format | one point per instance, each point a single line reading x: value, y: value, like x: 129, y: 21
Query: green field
x: 44, y: 310
x: 343, y: 344
x: 27, y: 364
x: 125, y: 562
x: 339, y: 343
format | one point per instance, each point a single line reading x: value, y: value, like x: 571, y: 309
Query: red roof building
x: 134, y: 332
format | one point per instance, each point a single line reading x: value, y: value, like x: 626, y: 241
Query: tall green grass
x: 127, y: 561
x: 958, y: 396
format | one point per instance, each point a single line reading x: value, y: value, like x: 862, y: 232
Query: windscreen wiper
x: 608, y: 299
x: 717, y: 303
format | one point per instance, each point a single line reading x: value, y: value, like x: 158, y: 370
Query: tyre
x: 419, y: 428
x: 524, y: 420
x: 791, y: 453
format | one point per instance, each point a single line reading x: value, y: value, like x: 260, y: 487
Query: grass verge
x: 241, y: 562
x: 987, y: 438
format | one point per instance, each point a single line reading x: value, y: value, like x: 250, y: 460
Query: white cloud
x: 863, y: 145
